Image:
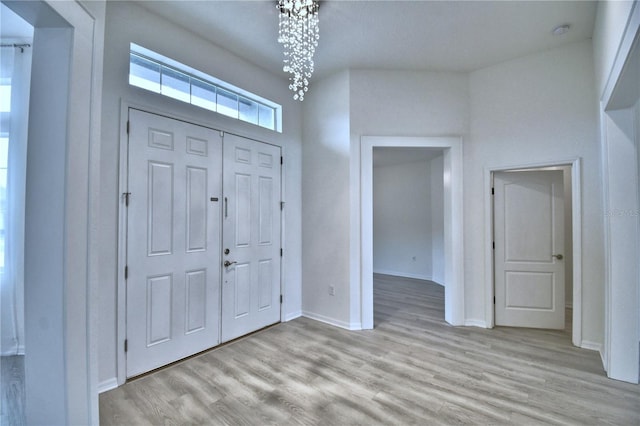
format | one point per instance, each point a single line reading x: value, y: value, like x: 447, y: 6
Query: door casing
x: 576, y: 216
x: 453, y: 223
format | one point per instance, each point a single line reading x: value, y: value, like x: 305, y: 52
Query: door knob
x: 228, y: 263
x: 557, y: 256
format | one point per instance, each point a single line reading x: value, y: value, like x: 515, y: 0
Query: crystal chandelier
x: 298, y: 33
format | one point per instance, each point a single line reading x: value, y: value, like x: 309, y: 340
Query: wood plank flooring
x: 12, y: 388
x: 412, y: 368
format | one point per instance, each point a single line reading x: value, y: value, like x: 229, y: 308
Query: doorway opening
x: 556, y: 293
x: 60, y: 212
x: 451, y: 149
x: 16, y: 37
x: 408, y: 229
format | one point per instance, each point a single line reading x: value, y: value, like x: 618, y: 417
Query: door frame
x: 453, y: 221
x: 61, y: 211
x: 576, y: 232
x: 620, y: 350
x: 121, y: 288
x: 566, y: 251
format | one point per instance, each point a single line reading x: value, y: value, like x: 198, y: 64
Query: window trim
x: 193, y: 74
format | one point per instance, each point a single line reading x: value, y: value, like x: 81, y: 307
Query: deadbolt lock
x: 227, y: 251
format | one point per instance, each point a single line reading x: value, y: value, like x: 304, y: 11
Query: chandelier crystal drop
x: 298, y: 33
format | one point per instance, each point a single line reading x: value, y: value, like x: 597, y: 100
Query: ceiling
x: 405, y: 35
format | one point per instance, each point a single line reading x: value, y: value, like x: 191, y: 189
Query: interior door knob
x: 557, y: 256
x: 228, y: 263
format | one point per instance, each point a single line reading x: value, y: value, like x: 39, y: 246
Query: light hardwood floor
x: 412, y: 368
x: 12, y: 387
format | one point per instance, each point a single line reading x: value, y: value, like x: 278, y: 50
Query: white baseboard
x: 292, y: 316
x: 475, y: 323
x: 107, y: 385
x: 441, y: 284
x: 403, y: 274
x: 592, y: 346
x: 332, y: 321
x: 12, y: 350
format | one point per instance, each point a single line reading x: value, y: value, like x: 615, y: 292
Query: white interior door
x: 529, y: 244
x: 251, y: 236
x: 173, y: 240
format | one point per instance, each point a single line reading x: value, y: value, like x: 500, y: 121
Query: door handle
x: 228, y: 263
x: 558, y: 256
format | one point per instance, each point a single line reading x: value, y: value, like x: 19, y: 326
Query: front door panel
x: 251, y: 224
x: 173, y: 240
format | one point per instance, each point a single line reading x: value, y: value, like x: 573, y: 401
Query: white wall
x: 402, y: 220
x: 638, y: 216
x: 398, y: 103
x: 325, y: 208
x: 60, y: 220
x: 622, y: 245
x: 536, y: 109
x: 616, y: 32
x: 126, y: 22
x: 437, y: 220
x: 610, y: 25
x: 359, y: 102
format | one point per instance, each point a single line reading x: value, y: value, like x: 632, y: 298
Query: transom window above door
x: 151, y: 71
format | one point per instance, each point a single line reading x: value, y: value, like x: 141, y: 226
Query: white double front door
x: 191, y: 192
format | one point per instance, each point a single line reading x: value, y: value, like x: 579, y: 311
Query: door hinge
x: 493, y: 245
x: 281, y: 205
x: 281, y: 251
x: 281, y: 160
x: 493, y: 191
x: 126, y: 196
x: 128, y: 126
x: 494, y: 300
x: 126, y: 345
x: 126, y: 272
x: 281, y: 299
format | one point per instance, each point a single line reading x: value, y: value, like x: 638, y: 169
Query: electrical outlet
x: 332, y: 290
